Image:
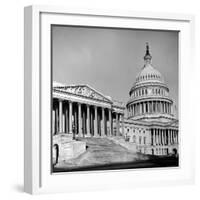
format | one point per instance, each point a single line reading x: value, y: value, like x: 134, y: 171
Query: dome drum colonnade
x: 148, y: 107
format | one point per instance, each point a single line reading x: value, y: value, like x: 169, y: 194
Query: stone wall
x: 64, y: 148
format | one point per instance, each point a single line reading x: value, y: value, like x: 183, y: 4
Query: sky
x: 109, y: 59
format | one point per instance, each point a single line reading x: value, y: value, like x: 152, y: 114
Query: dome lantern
x: 147, y: 56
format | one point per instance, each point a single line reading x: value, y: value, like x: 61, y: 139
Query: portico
x: 83, y: 112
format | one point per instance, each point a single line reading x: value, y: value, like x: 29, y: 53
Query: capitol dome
x: 149, y: 73
x: 149, y: 95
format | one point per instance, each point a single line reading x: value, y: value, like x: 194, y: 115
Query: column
x: 132, y: 110
x: 154, y: 136
x: 79, y: 120
x: 177, y: 136
x: 135, y: 109
x: 110, y: 122
x: 164, y: 138
x: 159, y: 135
x: 66, y: 120
x: 167, y: 107
x: 70, y: 117
x: 144, y: 107
x: 153, y: 103
x: 164, y: 107
x: 57, y: 120
x: 150, y: 110
x: 103, y: 122
x: 171, y: 142
x: 123, y: 124
x: 95, y: 122
x: 83, y: 123
x: 60, y: 116
x: 168, y: 137
x: 88, y: 120
x: 117, y: 124
x: 160, y: 107
x: 91, y: 122
x: 161, y: 139
x: 139, y: 106
x: 53, y: 122
x: 63, y: 121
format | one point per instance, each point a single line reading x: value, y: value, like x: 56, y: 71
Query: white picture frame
x: 37, y: 171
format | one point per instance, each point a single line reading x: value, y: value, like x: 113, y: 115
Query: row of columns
x: 149, y: 107
x: 164, y: 137
x: 88, y: 123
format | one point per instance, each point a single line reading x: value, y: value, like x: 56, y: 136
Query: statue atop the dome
x: 147, y: 56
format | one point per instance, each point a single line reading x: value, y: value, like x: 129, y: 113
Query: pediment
x: 85, y: 91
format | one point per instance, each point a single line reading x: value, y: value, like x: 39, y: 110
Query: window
x: 140, y: 140
x: 144, y: 140
x: 134, y: 139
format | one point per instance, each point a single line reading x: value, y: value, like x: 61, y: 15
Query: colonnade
x: 149, y: 107
x: 84, y: 119
x: 164, y: 137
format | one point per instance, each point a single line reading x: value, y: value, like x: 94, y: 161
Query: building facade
x: 82, y: 111
x: 150, y: 124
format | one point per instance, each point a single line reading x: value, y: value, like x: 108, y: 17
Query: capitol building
x: 146, y: 121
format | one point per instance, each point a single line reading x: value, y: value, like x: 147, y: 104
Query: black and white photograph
x: 114, y: 98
